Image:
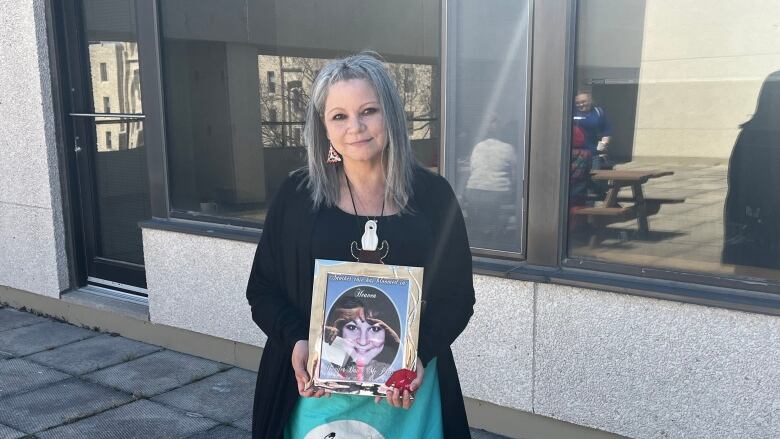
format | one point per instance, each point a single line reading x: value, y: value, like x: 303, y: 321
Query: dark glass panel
x: 237, y: 76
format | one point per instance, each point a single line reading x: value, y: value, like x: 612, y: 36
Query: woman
x: 752, y: 208
x: 356, y: 116
x: 368, y: 329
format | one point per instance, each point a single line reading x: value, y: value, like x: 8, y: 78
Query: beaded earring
x: 333, y: 155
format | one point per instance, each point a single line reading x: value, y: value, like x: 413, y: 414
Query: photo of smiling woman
x: 367, y: 330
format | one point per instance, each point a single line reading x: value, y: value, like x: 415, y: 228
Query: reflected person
x: 579, y: 178
x: 489, y: 186
x: 597, y: 128
x: 752, y: 208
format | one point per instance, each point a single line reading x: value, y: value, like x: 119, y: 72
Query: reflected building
x: 116, y: 88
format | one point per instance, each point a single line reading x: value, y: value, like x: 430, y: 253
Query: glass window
x: 103, y: 71
x: 237, y: 75
x: 487, y: 71
x: 106, y: 104
x: 674, y: 152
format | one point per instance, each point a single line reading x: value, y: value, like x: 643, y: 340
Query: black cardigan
x: 280, y: 285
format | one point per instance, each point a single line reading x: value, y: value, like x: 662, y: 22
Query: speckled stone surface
x: 25, y: 104
x: 647, y: 368
x: 494, y: 354
x: 31, y: 262
x: 30, y: 201
x: 199, y: 283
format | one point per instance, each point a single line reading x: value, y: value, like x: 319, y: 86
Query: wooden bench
x: 658, y: 200
x: 612, y: 211
x: 616, y: 213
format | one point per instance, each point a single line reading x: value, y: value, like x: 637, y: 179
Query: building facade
x: 143, y: 139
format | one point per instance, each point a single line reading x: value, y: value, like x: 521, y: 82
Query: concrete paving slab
x: 244, y: 423
x: 12, y: 319
x: 9, y: 433
x: 225, y: 397
x: 141, y: 419
x: 19, y: 375
x: 40, y: 337
x: 156, y: 373
x: 482, y: 434
x: 92, y: 354
x: 44, y: 408
x: 222, y: 432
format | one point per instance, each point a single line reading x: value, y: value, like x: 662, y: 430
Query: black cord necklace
x: 354, y: 207
x: 370, y: 250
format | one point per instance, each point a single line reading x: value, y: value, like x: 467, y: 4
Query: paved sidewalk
x: 61, y: 381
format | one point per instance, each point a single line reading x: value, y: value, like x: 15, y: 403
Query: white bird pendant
x: 370, y: 239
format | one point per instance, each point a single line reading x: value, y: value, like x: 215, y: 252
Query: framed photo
x: 365, y: 322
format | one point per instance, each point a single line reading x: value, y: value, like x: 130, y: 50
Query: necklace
x: 370, y: 239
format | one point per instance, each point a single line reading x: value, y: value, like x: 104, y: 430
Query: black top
x: 280, y: 286
x: 408, y: 236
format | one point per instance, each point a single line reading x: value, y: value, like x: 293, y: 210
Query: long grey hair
x: 398, y: 159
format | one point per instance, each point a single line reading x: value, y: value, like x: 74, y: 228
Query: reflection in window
x: 271, y: 82
x: 113, y: 135
x: 486, y: 118
x: 115, y: 76
x: 297, y: 75
x: 236, y: 86
x: 684, y: 174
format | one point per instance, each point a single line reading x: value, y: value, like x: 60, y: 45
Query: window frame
x: 544, y: 257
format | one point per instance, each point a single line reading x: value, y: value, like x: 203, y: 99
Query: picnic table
x: 616, y: 208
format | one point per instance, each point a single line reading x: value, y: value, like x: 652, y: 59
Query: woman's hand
x: 300, y: 357
x: 404, y: 400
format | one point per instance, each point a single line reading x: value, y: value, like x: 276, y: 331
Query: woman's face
x: 365, y: 341
x: 354, y: 121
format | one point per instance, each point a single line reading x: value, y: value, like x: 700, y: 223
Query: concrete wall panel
x: 199, y: 283
x: 29, y: 255
x: 33, y: 251
x: 28, y: 172
x: 648, y: 368
x: 494, y: 354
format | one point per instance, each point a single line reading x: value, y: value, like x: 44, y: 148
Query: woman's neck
x: 367, y: 188
x: 367, y: 179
